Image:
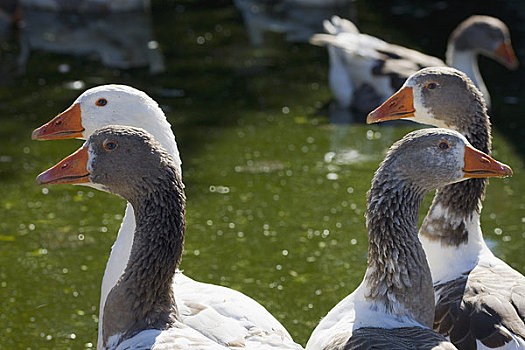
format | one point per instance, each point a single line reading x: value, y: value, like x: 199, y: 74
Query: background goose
x: 365, y: 70
x: 88, y: 6
x: 393, y: 306
x: 479, y: 298
x: 222, y: 314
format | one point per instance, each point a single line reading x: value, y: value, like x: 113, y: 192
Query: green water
x: 276, y: 194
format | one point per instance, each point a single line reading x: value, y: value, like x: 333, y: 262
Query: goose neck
x: 398, y: 277
x: 143, y: 296
x: 467, y: 62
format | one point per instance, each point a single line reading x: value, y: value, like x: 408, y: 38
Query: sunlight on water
x: 276, y: 193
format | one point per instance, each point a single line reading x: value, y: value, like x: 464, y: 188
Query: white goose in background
x: 364, y: 70
x: 479, y: 298
x: 222, y: 314
x: 393, y: 308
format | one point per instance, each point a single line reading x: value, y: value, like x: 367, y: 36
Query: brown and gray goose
x: 393, y: 308
x: 207, y: 307
x: 365, y: 71
x: 479, y: 298
x: 141, y: 311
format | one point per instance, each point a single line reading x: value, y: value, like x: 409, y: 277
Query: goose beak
x: 66, y: 125
x: 505, y: 54
x: 478, y: 164
x: 399, y: 105
x: 71, y: 170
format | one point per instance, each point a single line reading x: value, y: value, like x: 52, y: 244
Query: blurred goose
x: 393, y: 308
x: 479, y: 298
x: 88, y: 6
x: 365, y: 70
x: 222, y: 314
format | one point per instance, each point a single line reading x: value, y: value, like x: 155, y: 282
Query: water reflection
x: 86, y: 6
x: 297, y: 19
x: 340, y: 152
x: 119, y: 40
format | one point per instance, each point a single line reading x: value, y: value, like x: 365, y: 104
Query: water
x: 276, y: 193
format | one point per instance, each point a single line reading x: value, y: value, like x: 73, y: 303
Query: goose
x: 220, y: 313
x: 141, y: 310
x: 479, y: 298
x: 393, y: 308
x: 365, y: 71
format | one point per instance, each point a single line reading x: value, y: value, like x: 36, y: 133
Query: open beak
x: 66, y: 125
x: 71, y: 170
x: 505, y: 54
x: 478, y: 164
x: 399, y: 105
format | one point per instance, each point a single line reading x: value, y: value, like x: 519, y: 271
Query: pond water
x: 276, y: 193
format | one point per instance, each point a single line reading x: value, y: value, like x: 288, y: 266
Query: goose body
x: 479, y: 298
x: 123, y: 39
x: 221, y: 314
x: 364, y: 70
x: 393, y: 308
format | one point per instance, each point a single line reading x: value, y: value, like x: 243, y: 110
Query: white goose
x: 365, y: 71
x: 222, y: 314
x: 479, y: 298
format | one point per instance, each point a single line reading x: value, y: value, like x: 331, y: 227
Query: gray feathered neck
x: 143, y: 297
x: 398, y: 275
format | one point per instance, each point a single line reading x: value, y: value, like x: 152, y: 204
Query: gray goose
x: 393, y: 308
x: 479, y: 298
x: 365, y: 70
x: 198, y: 302
x: 141, y: 311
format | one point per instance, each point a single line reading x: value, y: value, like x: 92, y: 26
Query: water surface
x: 276, y: 193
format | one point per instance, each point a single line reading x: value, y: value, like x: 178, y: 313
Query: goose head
x: 116, y: 159
x: 438, y: 96
x: 432, y: 158
x: 485, y: 35
x: 110, y: 105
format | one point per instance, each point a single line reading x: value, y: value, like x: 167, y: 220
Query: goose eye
x: 443, y: 145
x: 110, y: 145
x: 432, y: 86
x: 101, y: 102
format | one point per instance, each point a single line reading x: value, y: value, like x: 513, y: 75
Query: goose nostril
x: 65, y: 165
x: 485, y: 160
x: 58, y: 122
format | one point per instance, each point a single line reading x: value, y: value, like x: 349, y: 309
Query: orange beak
x: 66, y: 125
x: 399, y: 105
x: 478, y: 164
x: 71, y: 170
x: 506, y: 56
